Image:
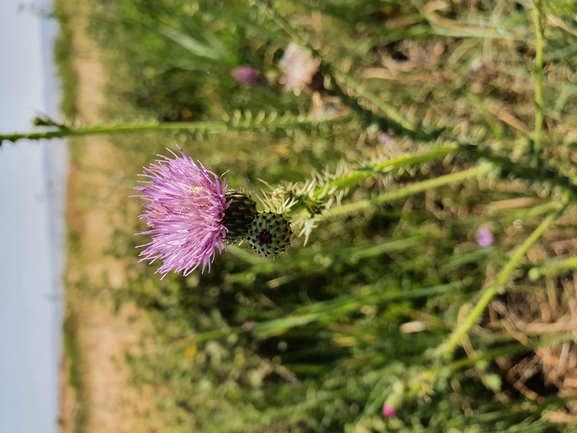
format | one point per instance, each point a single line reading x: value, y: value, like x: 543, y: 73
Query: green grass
x: 75, y: 372
x: 64, y: 56
x: 316, y: 340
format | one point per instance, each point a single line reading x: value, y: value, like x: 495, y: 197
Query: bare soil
x: 101, y: 400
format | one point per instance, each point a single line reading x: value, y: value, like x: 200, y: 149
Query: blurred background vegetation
x: 321, y: 338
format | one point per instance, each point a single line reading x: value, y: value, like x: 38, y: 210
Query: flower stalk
x: 538, y: 75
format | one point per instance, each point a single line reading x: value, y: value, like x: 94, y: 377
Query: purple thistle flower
x: 184, y: 207
x: 388, y: 411
x: 247, y: 76
x: 484, y: 237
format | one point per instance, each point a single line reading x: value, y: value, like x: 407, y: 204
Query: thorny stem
x: 446, y: 349
x: 538, y: 72
x: 187, y: 127
x: 504, y: 165
x: 405, y: 124
x: 362, y: 174
x: 358, y: 175
x: 410, y: 190
x: 541, y: 173
x: 115, y: 129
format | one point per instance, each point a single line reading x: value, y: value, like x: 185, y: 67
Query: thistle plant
x: 192, y: 214
x: 430, y: 195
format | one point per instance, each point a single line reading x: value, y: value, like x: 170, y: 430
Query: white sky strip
x: 32, y: 188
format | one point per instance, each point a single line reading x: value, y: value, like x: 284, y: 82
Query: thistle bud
x: 238, y: 216
x: 248, y: 76
x: 269, y: 234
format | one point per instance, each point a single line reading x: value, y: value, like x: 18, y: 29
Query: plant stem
x: 385, y: 107
x: 117, y: 129
x: 543, y: 173
x: 509, y: 350
x: 538, y: 73
x: 554, y: 269
x: 359, y: 175
x: 446, y: 349
x: 188, y: 127
x: 410, y: 190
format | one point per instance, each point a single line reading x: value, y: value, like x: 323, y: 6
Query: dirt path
x: 95, y: 394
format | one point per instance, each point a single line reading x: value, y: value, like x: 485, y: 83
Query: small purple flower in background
x: 248, y: 76
x: 484, y: 236
x: 388, y: 411
x: 247, y: 326
x: 298, y: 68
x: 184, y: 207
x: 385, y: 138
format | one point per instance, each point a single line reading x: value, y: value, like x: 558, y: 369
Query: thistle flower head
x: 298, y: 67
x: 184, y: 206
x: 248, y: 76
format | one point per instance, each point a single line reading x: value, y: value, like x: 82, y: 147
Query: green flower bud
x: 269, y: 234
x: 238, y: 216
